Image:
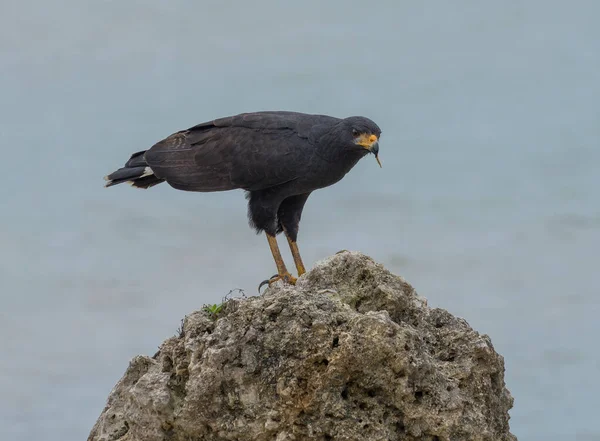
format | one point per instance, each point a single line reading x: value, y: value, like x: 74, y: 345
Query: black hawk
x: 278, y: 158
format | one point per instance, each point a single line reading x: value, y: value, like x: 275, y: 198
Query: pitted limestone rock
x: 349, y: 353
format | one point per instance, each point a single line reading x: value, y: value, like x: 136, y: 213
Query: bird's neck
x: 335, y: 152
x: 341, y: 156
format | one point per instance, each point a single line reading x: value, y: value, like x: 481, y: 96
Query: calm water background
x: 488, y: 202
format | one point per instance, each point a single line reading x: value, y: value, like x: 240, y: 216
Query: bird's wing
x: 300, y: 123
x: 253, y: 152
x: 173, y: 159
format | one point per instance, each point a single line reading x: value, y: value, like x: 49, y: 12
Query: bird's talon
x: 267, y: 282
x: 287, y: 278
x: 263, y: 283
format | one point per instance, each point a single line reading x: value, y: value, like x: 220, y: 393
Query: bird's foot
x: 287, y: 278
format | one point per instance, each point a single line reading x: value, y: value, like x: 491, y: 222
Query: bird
x: 277, y: 157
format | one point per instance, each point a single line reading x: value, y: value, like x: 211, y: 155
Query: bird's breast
x: 325, y: 172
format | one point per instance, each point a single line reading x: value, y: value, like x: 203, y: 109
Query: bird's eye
x: 354, y: 132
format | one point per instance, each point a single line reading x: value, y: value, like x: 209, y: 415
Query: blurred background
x: 488, y: 201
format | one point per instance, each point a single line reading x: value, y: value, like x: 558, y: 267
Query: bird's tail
x: 136, y: 172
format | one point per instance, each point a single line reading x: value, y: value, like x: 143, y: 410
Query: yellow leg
x: 282, y: 271
x: 296, y: 255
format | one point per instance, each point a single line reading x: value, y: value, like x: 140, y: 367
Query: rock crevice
x: 349, y: 353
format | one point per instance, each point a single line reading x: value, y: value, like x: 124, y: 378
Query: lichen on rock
x: 349, y: 353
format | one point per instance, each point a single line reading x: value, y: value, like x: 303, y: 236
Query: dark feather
x: 146, y: 182
x: 125, y: 173
x: 137, y: 160
x: 217, y: 157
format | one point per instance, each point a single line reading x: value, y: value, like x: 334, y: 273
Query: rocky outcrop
x: 349, y: 353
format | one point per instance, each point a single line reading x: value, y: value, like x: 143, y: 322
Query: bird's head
x: 362, y: 133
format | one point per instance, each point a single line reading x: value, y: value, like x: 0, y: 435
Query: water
x: 488, y: 201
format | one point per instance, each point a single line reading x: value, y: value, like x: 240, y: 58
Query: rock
x: 350, y: 353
